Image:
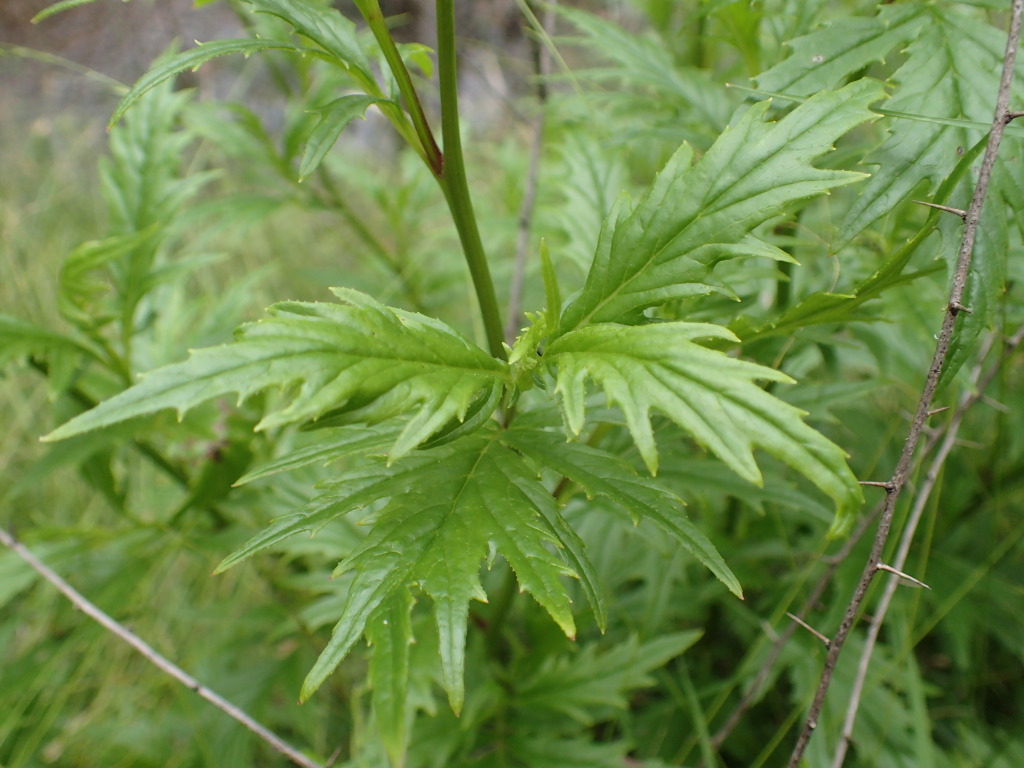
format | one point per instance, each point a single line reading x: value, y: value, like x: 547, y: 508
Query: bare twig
x: 542, y: 64
x: 899, y: 477
x: 979, y: 383
x: 108, y: 623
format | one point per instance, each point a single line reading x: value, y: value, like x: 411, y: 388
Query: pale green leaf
x: 325, y: 26
x: 697, y: 215
x: 951, y: 70
x: 191, y: 60
x: 334, y: 117
x: 830, y: 307
x: 552, y: 293
x: 825, y: 57
x: 712, y: 396
x: 58, y: 7
x: 604, y: 474
x: 946, y: 83
x: 356, y: 489
x: 359, y: 356
x: 329, y: 445
x: 646, y: 78
x: 20, y: 338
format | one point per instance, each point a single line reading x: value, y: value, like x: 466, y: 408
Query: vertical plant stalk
x: 968, y: 399
x: 1002, y: 117
x: 370, y: 9
x: 162, y: 663
x: 542, y: 65
x: 453, y: 180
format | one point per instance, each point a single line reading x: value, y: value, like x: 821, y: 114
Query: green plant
x: 455, y: 452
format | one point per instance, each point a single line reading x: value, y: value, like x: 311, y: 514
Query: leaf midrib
x: 704, y: 212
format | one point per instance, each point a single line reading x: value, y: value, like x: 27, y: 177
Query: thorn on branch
x: 1011, y: 116
x: 810, y: 629
x: 937, y: 411
x: 886, y: 484
x: 905, y: 577
x: 957, y: 211
x: 956, y: 308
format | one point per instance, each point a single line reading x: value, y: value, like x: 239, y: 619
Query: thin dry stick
x: 953, y: 309
x: 108, y: 623
x: 542, y: 57
x: 968, y: 399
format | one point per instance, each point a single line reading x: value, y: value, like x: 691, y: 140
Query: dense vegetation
x: 539, y: 441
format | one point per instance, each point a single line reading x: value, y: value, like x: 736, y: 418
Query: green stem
x: 453, y: 180
x: 375, y: 19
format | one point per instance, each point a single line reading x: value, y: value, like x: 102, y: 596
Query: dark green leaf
x: 443, y: 508
x: 581, y: 686
x: 389, y: 632
x: 697, y: 215
x: 601, y: 473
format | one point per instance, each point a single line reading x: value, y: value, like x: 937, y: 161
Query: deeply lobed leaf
x: 361, y: 357
x: 697, y: 215
x: 714, y: 397
x: 442, y: 510
x: 600, y: 473
x: 593, y: 680
x: 950, y: 73
x: 390, y: 634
